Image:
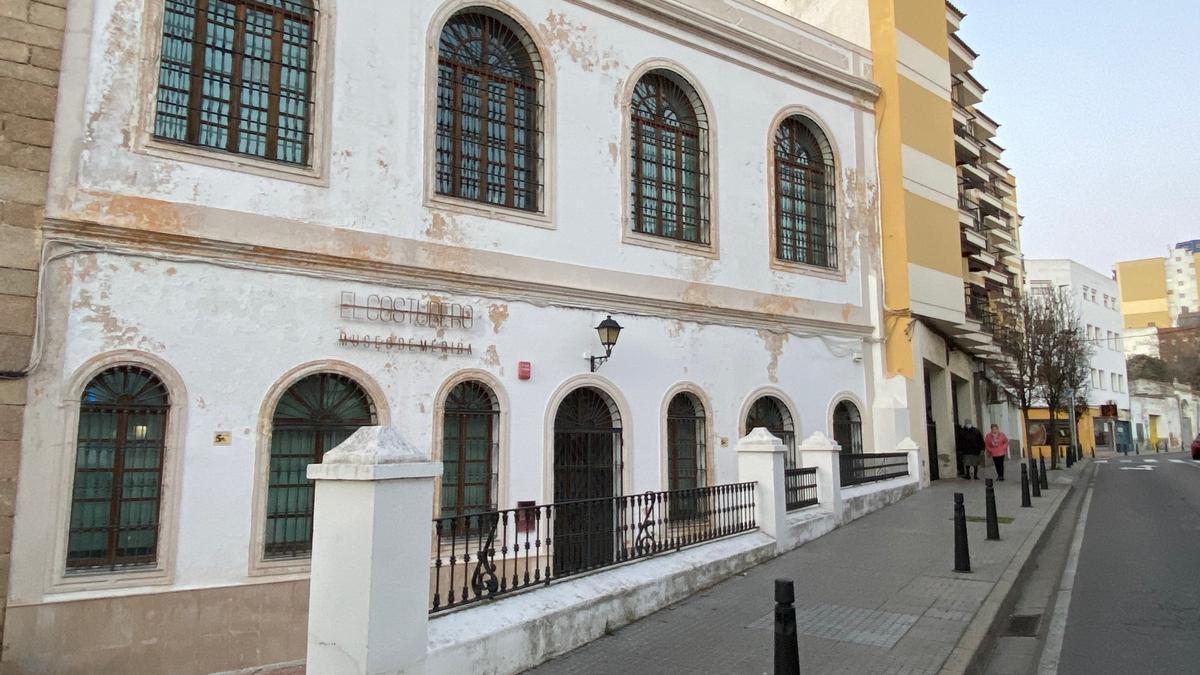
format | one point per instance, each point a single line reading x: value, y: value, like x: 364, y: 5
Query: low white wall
x: 860, y: 500
x: 513, y: 633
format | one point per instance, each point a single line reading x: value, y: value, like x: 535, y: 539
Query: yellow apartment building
x: 950, y: 226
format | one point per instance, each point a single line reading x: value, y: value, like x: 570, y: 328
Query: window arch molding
x: 622, y: 413
x: 163, y: 570
x: 702, y: 398
x: 864, y: 415
x: 259, y: 565
x: 703, y: 105
x: 543, y: 64
x: 828, y: 141
x: 774, y: 392
x: 503, y: 477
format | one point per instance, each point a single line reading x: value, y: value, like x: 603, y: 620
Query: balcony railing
x: 971, y: 208
x: 800, y: 487
x: 484, y: 555
x: 978, y: 308
x: 857, y: 468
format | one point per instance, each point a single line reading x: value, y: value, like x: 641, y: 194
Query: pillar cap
x: 375, y: 445
x: 907, y: 444
x: 760, y: 440
x: 819, y: 441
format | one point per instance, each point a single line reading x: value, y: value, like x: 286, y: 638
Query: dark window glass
x: 312, y: 417
x: 805, y: 196
x: 685, y: 443
x: 670, y: 160
x: 488, y: 112
x: 116, y: 493
x: 847, y: 427
x: 236, y: 75
x: 469, y: 448
x: 771, y: 414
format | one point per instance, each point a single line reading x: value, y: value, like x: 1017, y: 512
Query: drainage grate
x: 1023, y: 625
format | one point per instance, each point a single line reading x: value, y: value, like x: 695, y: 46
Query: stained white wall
x: 231, y: 335
x: 380, y: 54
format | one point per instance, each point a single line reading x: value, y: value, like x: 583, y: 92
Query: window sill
x: 492, y: 212
x: 68, y: 581
x: 831, y: 273
x: 263, y: 567
x: 182, y: 152
x: 668, y: 244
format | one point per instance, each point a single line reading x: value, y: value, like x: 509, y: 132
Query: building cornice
x: 616, y: 292
x: 730, y: 28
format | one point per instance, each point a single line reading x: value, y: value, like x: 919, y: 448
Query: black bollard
x: 1042, y: 474
x: 993, y: 525
x: 1025, y: 487
x: 962, y: 555
x: 1070, y: 456
x: 1093, y: 452
x: 1034, y: 481
x: 787, y: 643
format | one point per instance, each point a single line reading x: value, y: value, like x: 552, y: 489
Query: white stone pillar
x: 910, y: 446
x: 368, y: 608
x: 822, y: 452
x: 761, y: 459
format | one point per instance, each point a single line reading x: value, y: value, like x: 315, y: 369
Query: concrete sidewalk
x: 876, y: 596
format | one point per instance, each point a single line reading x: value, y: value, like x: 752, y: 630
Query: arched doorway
x: 587, y: 472
x: 847, y: 427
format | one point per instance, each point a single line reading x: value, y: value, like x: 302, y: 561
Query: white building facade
x: 1099, y: 312
x: 273, y: 222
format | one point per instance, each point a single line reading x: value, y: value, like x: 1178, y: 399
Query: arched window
x: 772, y: 414
x: 669, y: 181
x: 805, y: 195
x: 312, y: 417
x: 488, y: 112
x: 685, y: 442
x: 117, y: 491
x: 237, y: 75
x: 469, y: 449
x: 847, y: 427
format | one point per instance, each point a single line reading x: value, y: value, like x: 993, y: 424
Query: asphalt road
x: 1135, y: 606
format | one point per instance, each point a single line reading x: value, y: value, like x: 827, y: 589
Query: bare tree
x: 1065, y: 360
x: 1046, y: 354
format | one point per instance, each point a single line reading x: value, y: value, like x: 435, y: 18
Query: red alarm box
x: 524, y: 370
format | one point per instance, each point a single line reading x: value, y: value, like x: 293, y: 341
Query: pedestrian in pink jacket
x: 996, y: 444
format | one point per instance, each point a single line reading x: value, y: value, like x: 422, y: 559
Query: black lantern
x: 609, y: 331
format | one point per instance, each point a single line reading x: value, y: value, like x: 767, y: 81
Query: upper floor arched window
x: 237, y: 75
x: 312, y: 417
x: 669, y: 163
x: 847, y: 427
x: 116, y: 495
x: 805, y: 195
x: 489, y: 112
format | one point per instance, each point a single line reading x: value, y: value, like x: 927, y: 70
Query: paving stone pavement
x: 876, y: 596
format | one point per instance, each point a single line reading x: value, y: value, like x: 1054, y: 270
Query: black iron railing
x: 857, y: 469
x: 484, y: 555
x: 800, y: 487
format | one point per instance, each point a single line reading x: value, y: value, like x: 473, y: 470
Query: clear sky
x: 1099, y: 107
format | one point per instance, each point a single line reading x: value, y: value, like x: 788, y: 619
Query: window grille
x: 489, y: 113
x: 670, y: 160
x: 805, y: 197
x: 312, y: 417
x: 469, y: 449
x: 117, y: 489
x: 237, y: 75
x: 847, y: 427
x: 685, y: 443
x: 771, y: 414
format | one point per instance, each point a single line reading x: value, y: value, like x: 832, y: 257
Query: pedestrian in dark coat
x: 973, y: 446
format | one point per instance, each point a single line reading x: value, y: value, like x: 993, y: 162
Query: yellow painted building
x: 1143, y: 288
x: 951, y: 231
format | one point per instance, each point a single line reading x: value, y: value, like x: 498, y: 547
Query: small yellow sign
x: 223, y: 438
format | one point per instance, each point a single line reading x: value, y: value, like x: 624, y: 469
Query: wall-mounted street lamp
x: 609, y: 331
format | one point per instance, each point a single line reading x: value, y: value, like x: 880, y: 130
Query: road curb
x: 971, y: 647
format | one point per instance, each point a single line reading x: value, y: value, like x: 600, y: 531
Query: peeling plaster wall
x: 231, y: 335
x: 377, y: 145
x: 847, y: 20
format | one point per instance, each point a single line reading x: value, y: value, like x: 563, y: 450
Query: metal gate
x: 587, y: 475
